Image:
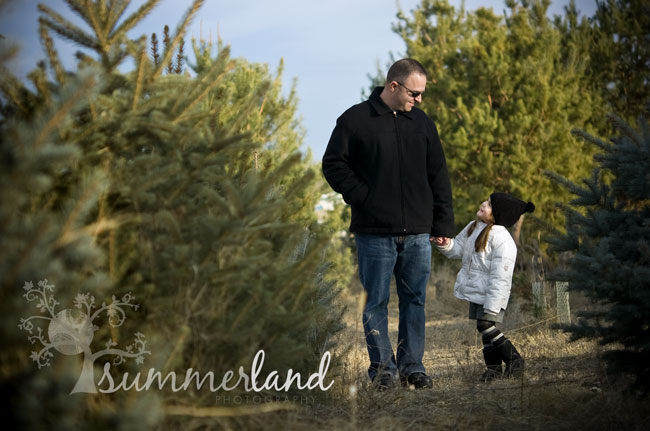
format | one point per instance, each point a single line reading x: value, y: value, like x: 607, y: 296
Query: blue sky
x: 329, y: 46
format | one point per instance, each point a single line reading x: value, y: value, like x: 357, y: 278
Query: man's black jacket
x: 390, y: 167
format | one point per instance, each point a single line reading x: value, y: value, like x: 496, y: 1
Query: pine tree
x: 504, y: 92
x: 620, y: 55
x: 49, y: 231
x: 226, y: 257
x: 608, y: 236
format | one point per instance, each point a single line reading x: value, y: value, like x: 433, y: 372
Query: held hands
x: 439, y: 241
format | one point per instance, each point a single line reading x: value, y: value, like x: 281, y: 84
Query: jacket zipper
x: 399, y: 158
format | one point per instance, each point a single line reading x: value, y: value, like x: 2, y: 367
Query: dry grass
x: 564, y: 386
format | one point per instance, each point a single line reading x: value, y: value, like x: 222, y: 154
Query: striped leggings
x: 492, y: 337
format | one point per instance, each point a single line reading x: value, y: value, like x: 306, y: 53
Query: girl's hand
x: 439, y: 241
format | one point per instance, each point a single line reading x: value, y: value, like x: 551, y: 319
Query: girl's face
x: 484, y: 213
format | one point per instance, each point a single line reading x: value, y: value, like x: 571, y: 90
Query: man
x: 385, y: 158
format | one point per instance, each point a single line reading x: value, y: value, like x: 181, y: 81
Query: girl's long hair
x: 481, y: 240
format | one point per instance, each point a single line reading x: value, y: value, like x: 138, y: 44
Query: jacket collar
x: 380, y: 107
x: 495, y: 227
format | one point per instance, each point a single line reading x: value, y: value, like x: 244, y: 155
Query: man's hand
x: 439, y: 241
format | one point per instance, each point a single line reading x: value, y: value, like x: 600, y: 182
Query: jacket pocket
x: 379, y: 210
x: 358, y: 195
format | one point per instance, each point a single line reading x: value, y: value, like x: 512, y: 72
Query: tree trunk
x: 86, y: 381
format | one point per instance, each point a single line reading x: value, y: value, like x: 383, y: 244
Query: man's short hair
x: 402, y: 69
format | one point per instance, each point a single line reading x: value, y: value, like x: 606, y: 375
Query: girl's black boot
x: 512, y: 358
x: 492, y: 358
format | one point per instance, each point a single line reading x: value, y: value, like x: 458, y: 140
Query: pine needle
x: 64, y: 110
x: 140, y: 73
x: 132, y: 20
x: 66, y: 29
x: 52, y: 54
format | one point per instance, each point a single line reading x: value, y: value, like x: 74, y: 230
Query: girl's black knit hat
x: 507, y: 209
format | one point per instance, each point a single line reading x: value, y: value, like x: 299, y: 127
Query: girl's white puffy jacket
x: 485, y: 277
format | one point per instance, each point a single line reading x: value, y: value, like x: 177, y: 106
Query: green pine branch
x: 131, y: 21
x: 52, y: 54
x: 66, y: 29
x: 180, y: 31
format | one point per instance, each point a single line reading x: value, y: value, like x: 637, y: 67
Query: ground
x: 565, y: 386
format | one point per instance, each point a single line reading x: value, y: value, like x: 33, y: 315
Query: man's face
x: 403, y: 91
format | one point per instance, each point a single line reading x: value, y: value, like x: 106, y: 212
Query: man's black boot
x: 418, y: 380
x: 383, y: 382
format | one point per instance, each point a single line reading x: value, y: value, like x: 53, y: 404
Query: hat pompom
x: 530, y: 207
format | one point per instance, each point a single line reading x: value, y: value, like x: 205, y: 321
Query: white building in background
x: 326, y: 204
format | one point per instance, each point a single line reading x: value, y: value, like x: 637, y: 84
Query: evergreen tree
x: 223, y: 253
x: 504, y: 92
x: 608, y: 236
x: 620, y: 55
x: 48, y: 230
x: 276, y: 132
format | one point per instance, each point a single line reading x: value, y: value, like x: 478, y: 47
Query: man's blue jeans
x: 409, y: 259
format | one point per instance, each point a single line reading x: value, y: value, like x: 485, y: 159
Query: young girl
x: 488, y: 253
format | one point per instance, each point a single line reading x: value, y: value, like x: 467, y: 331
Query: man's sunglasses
x: 411, y: 93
